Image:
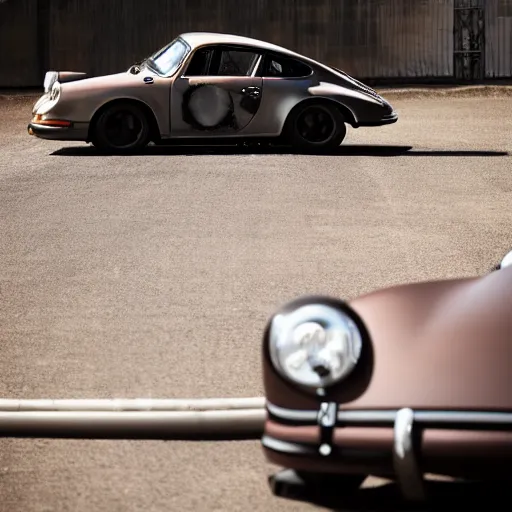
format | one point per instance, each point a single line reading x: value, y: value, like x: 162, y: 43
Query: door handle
x: 254, y: 92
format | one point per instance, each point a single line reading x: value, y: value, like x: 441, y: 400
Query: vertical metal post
x: 43, y: 36
x: 469, y: 40
x: 296, y: 26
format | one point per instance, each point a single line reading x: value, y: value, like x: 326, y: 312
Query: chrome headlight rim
x: 55, y: 92
x: 332, y: 308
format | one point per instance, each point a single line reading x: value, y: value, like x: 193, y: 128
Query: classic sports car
x: 400, y: 383
x: 204, y: 86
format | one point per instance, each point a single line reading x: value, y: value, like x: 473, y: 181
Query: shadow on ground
x: 345, y: 150
x: 442, y: 496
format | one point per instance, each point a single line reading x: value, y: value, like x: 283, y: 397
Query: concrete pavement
x: 153, y: 276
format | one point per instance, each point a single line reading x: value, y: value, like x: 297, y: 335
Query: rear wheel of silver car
x: 121, y: 128
x: 317, y: 126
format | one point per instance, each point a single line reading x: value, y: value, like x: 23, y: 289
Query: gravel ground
x: 154, y: 275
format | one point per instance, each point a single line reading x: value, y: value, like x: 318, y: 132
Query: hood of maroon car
x: 436, y: 345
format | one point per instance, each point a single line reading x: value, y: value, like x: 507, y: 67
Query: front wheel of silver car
x: 121, y: 128
x: 317, y: 126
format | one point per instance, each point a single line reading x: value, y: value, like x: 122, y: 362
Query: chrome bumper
x: 75, y: 132
x: 405, y: 424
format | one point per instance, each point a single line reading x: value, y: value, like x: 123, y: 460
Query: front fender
x: 80, y: 100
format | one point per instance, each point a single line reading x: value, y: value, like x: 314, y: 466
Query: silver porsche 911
x: 208, y: 86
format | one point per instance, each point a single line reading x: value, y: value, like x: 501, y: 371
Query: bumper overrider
x: 333, y: 441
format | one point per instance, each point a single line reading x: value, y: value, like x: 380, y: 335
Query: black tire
x: 121, y: 128
x: 316, y: 126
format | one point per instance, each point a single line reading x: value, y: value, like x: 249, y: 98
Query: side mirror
x: 506, y: 261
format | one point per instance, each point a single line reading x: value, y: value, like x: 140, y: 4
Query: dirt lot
x: 154, y: 275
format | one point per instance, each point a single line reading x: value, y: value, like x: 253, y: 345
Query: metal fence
x: 370, y: 39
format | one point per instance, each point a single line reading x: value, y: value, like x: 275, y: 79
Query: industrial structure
x: 373, y: 40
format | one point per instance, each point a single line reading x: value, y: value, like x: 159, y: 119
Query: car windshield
x: 166, y: 61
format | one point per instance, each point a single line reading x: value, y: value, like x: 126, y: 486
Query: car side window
x: 200, y: 63
x: 285, y: 68
x: 234, y: 63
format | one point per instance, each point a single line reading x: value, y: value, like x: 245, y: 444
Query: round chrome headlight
x: 314, y: 345
x: 55, y: 91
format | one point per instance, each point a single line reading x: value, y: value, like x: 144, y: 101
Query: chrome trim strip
x: 441, y: 418
x: 257, y: 66
x: 367, y: 416
x: 430, y: 418
x: 285, y: 447
x: 463, y: 417
x: 293, y: 415
x: 408, y: 473
x: 314, y: 450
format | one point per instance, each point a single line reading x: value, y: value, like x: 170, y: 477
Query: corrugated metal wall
x: 367, y: 38
x: 101, y: 37
x: 370, y: 38
x: 378, y: 38
x: 498, y: 44
x: 19, y: 56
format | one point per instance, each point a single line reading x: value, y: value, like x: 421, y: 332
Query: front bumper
x: 74, y: 132
x: 400, y: 444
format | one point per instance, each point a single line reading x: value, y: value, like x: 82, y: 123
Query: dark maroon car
x: 402, y: 382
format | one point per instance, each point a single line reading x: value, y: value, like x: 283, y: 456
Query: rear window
x: 283, y: 67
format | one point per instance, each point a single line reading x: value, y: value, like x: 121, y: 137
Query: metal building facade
x: 371, y: 39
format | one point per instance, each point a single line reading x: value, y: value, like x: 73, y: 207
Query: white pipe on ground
x: 163, y: 425
x: 133, y: 404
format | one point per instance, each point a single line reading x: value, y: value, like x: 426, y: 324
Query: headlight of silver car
x: 55, y: 91
x: 315, y: 344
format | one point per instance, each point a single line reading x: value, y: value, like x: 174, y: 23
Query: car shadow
x: 344, y: 150
x: 442, y: 496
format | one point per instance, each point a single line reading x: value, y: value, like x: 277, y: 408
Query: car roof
x: 196, y: 39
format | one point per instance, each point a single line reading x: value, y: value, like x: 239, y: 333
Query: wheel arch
x: 344, y: 110
x: 153, y: 123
